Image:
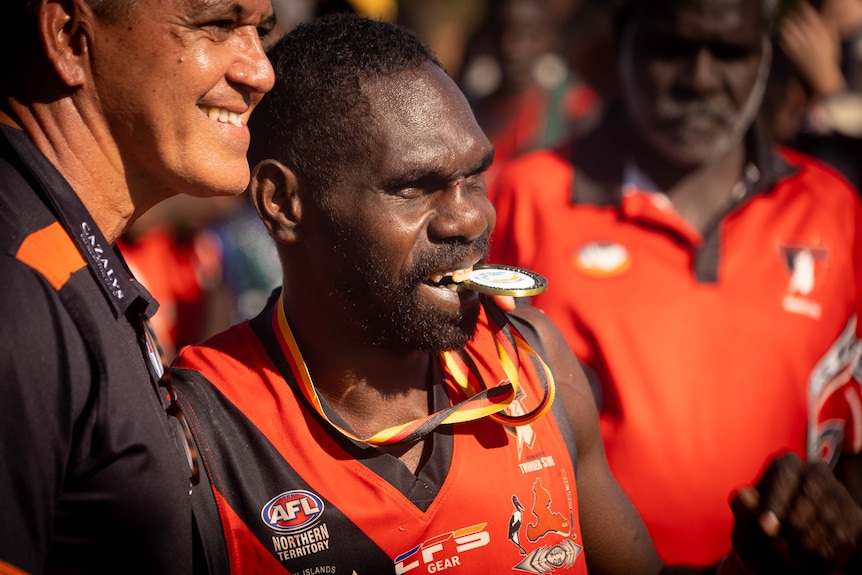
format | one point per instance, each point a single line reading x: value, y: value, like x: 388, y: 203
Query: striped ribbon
x: 463, y: 379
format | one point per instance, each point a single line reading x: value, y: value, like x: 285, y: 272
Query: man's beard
x: 388, y: 312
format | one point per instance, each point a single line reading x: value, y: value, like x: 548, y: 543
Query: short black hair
x: 316, y: 119
x: 20, y: 42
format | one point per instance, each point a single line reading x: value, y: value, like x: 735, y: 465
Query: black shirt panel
x: 90, y: 480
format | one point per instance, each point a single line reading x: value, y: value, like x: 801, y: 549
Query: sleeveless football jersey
x: 295, y: 496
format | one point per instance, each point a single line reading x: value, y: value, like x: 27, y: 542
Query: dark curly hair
x: 316, y: 118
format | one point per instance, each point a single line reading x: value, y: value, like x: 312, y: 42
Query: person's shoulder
x: 22, y: 210
x: 215, y: 354
x: 557, y: 158
x: 540, y: 164
x: 534, y: 317
x: 540, y: 177
x: 38, y: 325
x: 810, y: 168
x: 559, y: 355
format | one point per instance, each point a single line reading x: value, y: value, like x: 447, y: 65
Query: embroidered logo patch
x: 602, y: 259
x: 292, y: 511
x: 802, y: 263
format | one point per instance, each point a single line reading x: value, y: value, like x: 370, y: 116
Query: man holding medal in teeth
x: 382, y: 414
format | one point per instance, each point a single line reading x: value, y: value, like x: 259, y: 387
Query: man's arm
x: 40, y: 356
x: 615, y: 538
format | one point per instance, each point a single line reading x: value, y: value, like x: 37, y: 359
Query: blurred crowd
x: 536, y: 72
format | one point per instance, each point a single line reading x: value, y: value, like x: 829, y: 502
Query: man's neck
x: 59, y: 132
x: 701, y: 193
x: 370, y: 385
x: 370, y: 388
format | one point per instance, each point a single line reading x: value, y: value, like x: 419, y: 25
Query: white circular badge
x: 505, y: 280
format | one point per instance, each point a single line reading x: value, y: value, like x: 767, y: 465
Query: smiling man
x: 106, y: 108
x: 380, y: 417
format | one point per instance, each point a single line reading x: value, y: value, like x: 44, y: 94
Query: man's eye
x: 409, y: 192
x: 730, y: 53
x: 219, y: 26
x: 670, y: 48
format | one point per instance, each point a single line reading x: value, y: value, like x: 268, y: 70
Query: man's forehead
x: 696, y: 17
x: 237, y: 7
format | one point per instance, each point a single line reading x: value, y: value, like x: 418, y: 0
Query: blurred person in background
x: 821, y: 41
x: 175, y: 253
x: 709, y: 282
x: 522, y: 91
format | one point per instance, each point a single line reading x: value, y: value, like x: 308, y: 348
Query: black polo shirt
x: 90, y: 478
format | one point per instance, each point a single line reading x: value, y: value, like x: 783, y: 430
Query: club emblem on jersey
x: 541, y: 522
x: 549, y: 559
x: 802, y: 263
x: 602, y: 259
x: 292, y: 511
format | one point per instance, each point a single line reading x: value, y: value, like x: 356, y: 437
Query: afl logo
x: 292, y: 511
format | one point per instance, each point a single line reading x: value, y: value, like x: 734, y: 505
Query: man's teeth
x: 456, y: 276
x: 224, y: 116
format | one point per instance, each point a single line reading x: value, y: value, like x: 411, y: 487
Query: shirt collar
x: 106, y: 263
x: 603, y: 163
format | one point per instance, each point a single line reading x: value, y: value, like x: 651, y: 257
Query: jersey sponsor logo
x: 549, y: 559
x: 602, y: 259
x: 542, y: 522
x: 537, y: 462
x: 439, y: 553
x: 802, y: 263
x: 309, y: 542
x: 319, y: 570
x: 97, y: 253
x: 546, y: 520
x: 292, y: 511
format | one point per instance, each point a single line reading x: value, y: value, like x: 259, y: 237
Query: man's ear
x: 274, y: 193
x: 62, y: 26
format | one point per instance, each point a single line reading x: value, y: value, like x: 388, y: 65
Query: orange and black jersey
x: 290, y: 494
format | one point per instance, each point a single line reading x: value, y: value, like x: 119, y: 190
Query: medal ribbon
x: 477, y: 400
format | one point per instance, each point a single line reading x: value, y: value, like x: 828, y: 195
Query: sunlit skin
x: 182, y: 59
x: 413, y: 207
x: 133, y: 126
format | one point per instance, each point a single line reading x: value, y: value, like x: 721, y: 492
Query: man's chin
x: 690, y: 152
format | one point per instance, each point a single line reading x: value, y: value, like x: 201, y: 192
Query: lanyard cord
x: 477, y: 401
